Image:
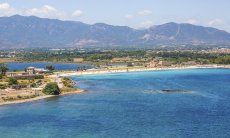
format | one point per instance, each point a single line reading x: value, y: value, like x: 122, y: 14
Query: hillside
x: 31, y: 32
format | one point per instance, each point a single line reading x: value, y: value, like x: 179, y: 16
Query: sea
x: 190, y: 103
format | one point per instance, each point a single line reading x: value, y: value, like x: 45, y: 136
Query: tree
x: 12, y: 81
x: 3, y: 69
x: 51, y: 89
x: 50, y: 67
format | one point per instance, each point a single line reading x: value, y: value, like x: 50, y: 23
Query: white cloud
x: 4, y: 6
x: 77, y: 13
x: 6, y: 10
x: 140, y: 13
x: 145, y: 12
x: 146, y: 24
x: 192, y: 21
x: 129, y: 16
x: 215, y: 22
x: 45, y: 11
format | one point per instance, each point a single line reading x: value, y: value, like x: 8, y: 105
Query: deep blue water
x: 130, y: 105
x: 58, y: 66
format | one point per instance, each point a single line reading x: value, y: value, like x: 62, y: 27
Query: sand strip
x: 39, y: 98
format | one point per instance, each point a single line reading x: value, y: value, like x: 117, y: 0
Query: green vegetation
x: 31, y: 77
x: 223, y: 60
x: 1, y: 76
x: 3, y: 69
x: 12, y: 81
x: 39, y: 77
x: 3, y: 86
x: 10, y: 98
x: 140, y: 57
x: 33, y: 85
x: 51, y: 89
x: 68, y: 82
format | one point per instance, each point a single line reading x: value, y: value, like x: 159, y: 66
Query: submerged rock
x: 167, y: 91
x: 175, y: 91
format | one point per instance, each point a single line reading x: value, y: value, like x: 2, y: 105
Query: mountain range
x: 33, y: 32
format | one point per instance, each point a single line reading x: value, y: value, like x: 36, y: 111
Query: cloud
x: 145, y: 12
x: 4, y: 6
x: 6, y: 10
x: 215, y: 22
x: 146, y: 24
x: 45, y: 11
x: 129, y: 16
x: 140, y: 13
x: 192, y: 21
x: 77, y: 13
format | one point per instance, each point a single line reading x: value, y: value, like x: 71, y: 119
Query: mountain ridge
x: 31, y: 32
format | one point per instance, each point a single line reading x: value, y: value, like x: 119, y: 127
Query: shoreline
x: 140, y: 69
x: 111, y: 71
x: 40, y: 98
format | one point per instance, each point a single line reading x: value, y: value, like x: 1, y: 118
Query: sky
x: 133, y: 13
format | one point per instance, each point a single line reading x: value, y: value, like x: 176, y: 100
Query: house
x: 40, y: 70
x: 33, y: 70
x: 11, y: 74
x: 30, y: 70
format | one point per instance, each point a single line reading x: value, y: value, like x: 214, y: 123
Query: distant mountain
x: 31, y: 32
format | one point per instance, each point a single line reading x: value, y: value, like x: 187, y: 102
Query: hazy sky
x: 133, y: 13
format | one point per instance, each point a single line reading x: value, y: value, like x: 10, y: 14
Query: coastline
x: 110, y: 71
x: 39, y: 98
x: 140, y: 69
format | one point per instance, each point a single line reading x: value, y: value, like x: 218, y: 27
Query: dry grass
x: 4, y: 60
x: 13, y: 95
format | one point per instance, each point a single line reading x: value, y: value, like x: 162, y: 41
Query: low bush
x: 3, y: 86
x: 39, y: 77
x: 67, y: 82
x: 12, y: 81
x: 33, y: 85
x: 51, y: 89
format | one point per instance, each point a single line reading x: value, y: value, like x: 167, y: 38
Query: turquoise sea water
x: 130, y: 105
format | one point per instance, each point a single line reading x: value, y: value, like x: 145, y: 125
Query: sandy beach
x: 140, y: 69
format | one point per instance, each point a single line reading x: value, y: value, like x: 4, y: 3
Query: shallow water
x: 130, y: 105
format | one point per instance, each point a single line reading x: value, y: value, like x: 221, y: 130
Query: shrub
x: 1, y: 76
x: 33, y: 85
x: 12, y: 81
x: 3, y: 86
x: 51, y: 89
x: 68, y: 82
x: 39, y: 77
